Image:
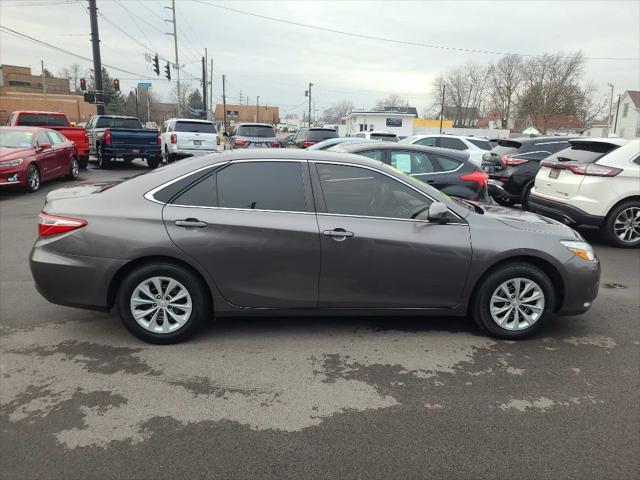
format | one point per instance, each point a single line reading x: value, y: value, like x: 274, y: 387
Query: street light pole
x: 310, y: 85
x: 257, y: 108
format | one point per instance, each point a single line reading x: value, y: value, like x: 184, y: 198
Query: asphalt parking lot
x: 343, y: 398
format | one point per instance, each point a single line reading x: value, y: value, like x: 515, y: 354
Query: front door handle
x: 338, y: 234
x: 190, y: 223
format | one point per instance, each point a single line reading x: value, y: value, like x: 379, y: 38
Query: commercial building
x: 398, y: 121
x: 626, y: 119
x: 247, y: 113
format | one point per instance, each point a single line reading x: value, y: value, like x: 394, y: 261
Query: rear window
x: 582, y: 152
x: 197, y: 127
x: 385, y: 137
x: 319, y: 135
x: 115, y: 122
x: 482, y: 144
x: 506, y: 147
x: 41, y: 120
x: 258, y: 131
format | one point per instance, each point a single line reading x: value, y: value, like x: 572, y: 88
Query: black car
x: 512, y: 166
x: 447, y: 170
x: 305, y: 137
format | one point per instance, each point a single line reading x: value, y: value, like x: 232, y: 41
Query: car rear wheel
x: 101, y: 160
x: 33, y: 178
x: 162, y: 303
x: 74, y: 169
x: 153, y: 162
x: 514, y: 301
x: 622, y: 226
x: 524, y: 199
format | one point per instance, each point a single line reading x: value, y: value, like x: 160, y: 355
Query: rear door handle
x: 338, y: 234
x: 190, y: 223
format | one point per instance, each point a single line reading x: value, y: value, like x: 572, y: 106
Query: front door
x: 374, y: 254
x: 252, y: 226
x: 47, y: 156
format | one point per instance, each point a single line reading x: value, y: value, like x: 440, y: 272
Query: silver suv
x: 253, y: 135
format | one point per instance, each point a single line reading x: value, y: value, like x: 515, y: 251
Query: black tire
x: 102, y: 162
x: 505, y: 202
x: 194, y: 286
x: 74, y: 169
x: 609, y: 225
x: 482, y: 300
x: 33, y: 178
x: 84, y: 162
x: 153, y: 163
x: 524, y: 198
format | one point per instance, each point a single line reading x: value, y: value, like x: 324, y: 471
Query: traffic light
x: 83, y: 84
x: 116, y: 84
x: 156, y: 64
x: 167, y: 71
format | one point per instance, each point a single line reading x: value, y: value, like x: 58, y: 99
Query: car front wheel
x: 514, y: 301
x: 33, y: 178
x: 622, y: 227
x: 74, y: 169
x: 163, y: 303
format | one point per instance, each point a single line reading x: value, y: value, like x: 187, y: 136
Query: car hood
x: 11, y: 153
x: 527, y: 221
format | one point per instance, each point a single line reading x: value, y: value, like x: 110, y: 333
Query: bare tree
x: 393, y: 100
x: 591, y: 106
x: 74, y: 73
x: 464, y: 92
x: 551, y: 87
x: 337, y: 111
x: 505, y: 79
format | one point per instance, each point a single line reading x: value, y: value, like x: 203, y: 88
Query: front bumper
x: 581, y: 285
x: 563, y: 212
x: 72, y: 280
x: 13, y: 176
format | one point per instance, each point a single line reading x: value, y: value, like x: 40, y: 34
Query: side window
x: 350, y: 190
x: 452, y: 143
x: 201, y: 194
x: 412, y: 163
x: 375, y: 154
x: 56, y: 138
x: 262, y: 186
x: 428, y: 142
x: 43, y: 139
x: 10, y: 119
x: 164, y: 128
x: 447, y: 164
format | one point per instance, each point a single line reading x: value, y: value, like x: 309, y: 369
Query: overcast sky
x: 277, y: 60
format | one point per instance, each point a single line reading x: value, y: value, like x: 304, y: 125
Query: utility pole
x: 97, y: 62
x: 204, y: 85
x: 44, y: 86
x: 609, y: 119
x: 211, y: 90
x: 224, y: 104
x: 148, y: 104
x: 310, y: 85
x: 175, y: 45
x: 442, y: 106
x: 257, y: 108
x: 615, y: 125
x: 137, y: 111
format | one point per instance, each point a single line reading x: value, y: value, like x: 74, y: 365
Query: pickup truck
x: 112, y: 137
x: 55, y: 121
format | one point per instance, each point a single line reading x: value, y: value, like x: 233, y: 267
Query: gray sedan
x: 294, y: 232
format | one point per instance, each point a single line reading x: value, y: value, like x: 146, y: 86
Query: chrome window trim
x: 413, y: 220
x: 241, y: 209
x: 150, y: 194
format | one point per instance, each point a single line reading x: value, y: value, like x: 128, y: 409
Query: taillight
x: 159, y: 139
x: 107, y: 137
x: 477, y: 176
x: 308, y: 143
x: 510, y: 161
x: 174, y: 138
x: 275, y: 144
x: 51, y: 225
x: 239, y: 143
x: 595, y: 170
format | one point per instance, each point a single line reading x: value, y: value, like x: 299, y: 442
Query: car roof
x: 40, y: 112
x: 322, y: 128
x: 253, y: 124
x: 190, y: 120
x: 465, y: 137
x: 118, y: 116
x: 362, y: 146
x: 611, y: 140
x: 24, y: 129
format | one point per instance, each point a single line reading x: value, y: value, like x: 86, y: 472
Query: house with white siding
x: 626, y: 120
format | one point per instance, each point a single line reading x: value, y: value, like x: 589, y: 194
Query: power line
x: 384, y: 39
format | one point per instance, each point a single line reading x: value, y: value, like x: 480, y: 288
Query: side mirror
x: 438, y: 212
x: 44, y: 146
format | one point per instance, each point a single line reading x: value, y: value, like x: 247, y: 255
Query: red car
x: 55, y: 121
x: 32, y: 155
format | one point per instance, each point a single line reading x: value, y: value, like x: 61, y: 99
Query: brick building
x: 248, y: 113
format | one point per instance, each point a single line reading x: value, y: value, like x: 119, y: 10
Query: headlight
x: 581, y: 249
x: 11, y: 163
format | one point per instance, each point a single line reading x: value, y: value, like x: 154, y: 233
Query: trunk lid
x: 133, y: 137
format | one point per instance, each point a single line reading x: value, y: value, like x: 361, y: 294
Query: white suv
x: 593, y: 182
x: 185, y: 137
x: 384, y: 136
x: 476, y: 147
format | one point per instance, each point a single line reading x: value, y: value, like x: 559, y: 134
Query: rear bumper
x: 563, y: 212
x: 70, y: 280
x: 129, y: 152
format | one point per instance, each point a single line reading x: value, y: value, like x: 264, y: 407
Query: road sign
x: 144, y: 84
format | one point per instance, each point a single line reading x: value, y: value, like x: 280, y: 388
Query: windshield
x: 319, y: 135
x: 582, y: 152
x: 259, y: 131
x: 198, y: 127
x: 41, y: 120
x: 10, y: 138
x: 118, y: 122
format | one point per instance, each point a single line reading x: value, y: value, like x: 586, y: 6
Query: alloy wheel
x: 517, y: 304
x: 161, y: 305
x: 75, y: 168
x: 33, y: 178
x: 627, y: 225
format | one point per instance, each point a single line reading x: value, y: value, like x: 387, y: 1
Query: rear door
x: 63, y: 153
x: 196, y: 135
x: 252, y: 226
